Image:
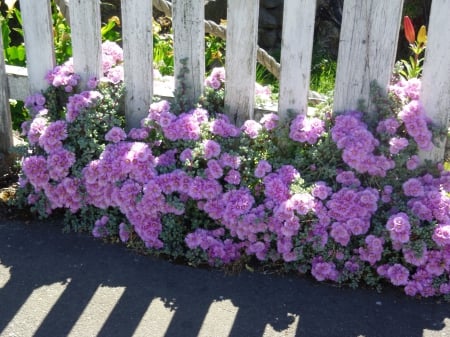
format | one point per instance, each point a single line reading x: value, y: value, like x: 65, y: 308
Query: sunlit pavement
x: 54, y: 284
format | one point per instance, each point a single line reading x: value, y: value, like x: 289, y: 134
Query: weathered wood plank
x: 37, y: 25
x: 240, y: 62
x: 435, y: 93
x: 18, y: 82
x: 138, y: 53
x: 189, y: 45
x: 6, y: 137
x: 367, y: 49
x: 296, y: 54
x: 85, y: 25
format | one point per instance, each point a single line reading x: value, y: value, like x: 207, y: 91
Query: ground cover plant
x: 341, y: 197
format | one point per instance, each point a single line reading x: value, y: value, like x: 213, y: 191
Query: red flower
x: 410, y: 34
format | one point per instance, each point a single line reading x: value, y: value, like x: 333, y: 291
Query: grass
x: 323, y: 74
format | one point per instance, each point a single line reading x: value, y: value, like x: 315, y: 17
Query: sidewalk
x: 54, y: 284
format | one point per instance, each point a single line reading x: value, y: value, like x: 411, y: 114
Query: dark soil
x: 8, y: 189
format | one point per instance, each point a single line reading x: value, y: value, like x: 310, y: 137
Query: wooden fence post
x: 296, y: 54
x: 138, y: 53
x: 367, y: 50
x: 6, y: 137
x: 85, y: 25
x: 189, y: 46
x: 435, y: 93
x: 240, y: 62
x: 38, y: 31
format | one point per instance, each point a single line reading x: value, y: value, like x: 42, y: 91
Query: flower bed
x: 340, y: 197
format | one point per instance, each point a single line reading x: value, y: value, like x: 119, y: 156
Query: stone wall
x: 328, y: 20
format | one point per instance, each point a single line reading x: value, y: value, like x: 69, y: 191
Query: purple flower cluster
x: 416, y: 124
x: 186, y: 126
x: 373, y: 249
x: 251, y: 128
x: 63, y: 76
x: 79, y: 102
x: 35, y: 104
x: 358, y: 145
x: 429, y: 264
x: 269, y: 121
x: 216, y: 79
x: 224, y: 251
x: 100, y: 230
x: 399, y: 228
x: 322, y: 270
x: 306, y: 129
x: 413, y: 115
x: 52, y: 136
x: 221, y: 126
x: 429, y: 199
x: 345, y: 223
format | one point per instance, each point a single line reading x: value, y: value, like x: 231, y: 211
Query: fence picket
x: 6, y: 138
x: 85, y: 26
x: 38, y: 35
x: 435, y: 94
x: 240, y: 62
x: 189, y: 45
x: 138, y: 68
x: 296, y: 54
x: 367, y: 49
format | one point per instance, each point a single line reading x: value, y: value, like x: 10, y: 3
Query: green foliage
x: 214, y: 52
x: 110, y: 31
x: 61, y: 36
x: 323, y: 74
x: 163, y: 50
x: 14, y: 48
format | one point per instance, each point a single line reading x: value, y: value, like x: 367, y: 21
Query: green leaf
x: 21, y: 52
x: 11, y: 52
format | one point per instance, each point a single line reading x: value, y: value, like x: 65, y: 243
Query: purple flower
x: 35, y: 168
x: 348, y: 178
x: 269, y: 121
x: 441, y: 235
x: 304, y: 129
x: 228, y: 160
x: 233, y: 177
x: 187, y: 154
x: 115, y: 135
x: 262, y: 168
x: 59, y: 163
x: 399, y: 227
x: 321, y: 190
x: 124, y: 232
x: 214, y: 170
x: 340, y: 234
x: 115, y: 74
x: 221, y: 126
x: 398, y: 274
x: 397, y: 144
x: 36, y: 129
x: 324, y: 271
x: 373, y: 250
x: 389, y: 126
x: 413, y: 188
x: 413, y: 162
x: 251, y: 128
x: 211, y: 149
x: 52, y: 136
x: 216, y: 78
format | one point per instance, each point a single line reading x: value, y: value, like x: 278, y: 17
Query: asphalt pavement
x: 54, y: 284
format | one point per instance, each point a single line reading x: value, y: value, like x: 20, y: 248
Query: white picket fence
x: 369, y: 35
